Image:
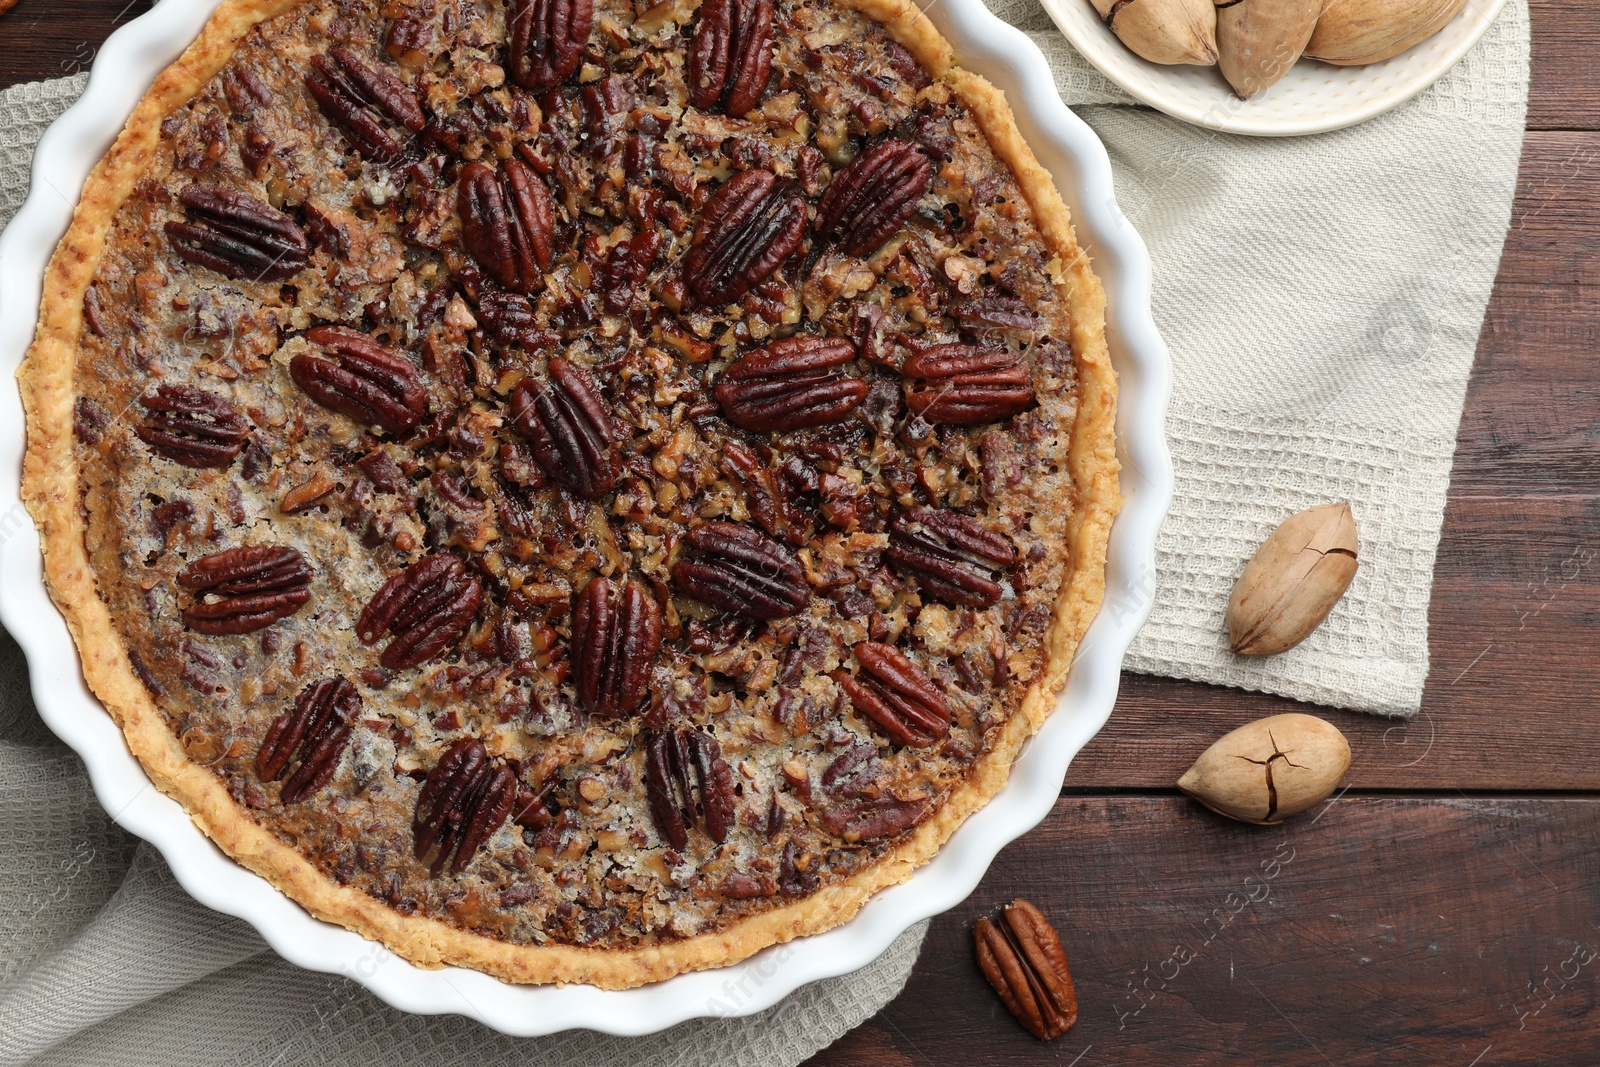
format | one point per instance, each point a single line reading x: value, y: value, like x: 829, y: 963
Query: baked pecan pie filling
x: 584, y: 472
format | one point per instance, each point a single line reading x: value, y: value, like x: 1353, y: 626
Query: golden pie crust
x: 52, y: 493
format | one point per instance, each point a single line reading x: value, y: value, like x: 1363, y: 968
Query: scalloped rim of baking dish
x: 127, y: 64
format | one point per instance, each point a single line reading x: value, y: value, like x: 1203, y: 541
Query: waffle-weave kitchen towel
x: 1322, y: 298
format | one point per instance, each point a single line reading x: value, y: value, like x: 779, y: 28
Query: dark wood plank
x: 1378, y: 931
x: 53, y: 38
x: 1564, y: 91
x: 1510, y: 700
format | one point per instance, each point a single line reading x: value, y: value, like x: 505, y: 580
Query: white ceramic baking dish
x: 126, y: 66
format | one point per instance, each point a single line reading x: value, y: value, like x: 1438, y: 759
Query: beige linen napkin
x: 1322, y: 298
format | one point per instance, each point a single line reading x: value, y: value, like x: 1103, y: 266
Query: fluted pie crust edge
x: 50, y: 490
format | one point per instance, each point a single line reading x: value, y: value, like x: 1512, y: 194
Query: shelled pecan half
x: 568, y: 429
x: 545, y: 40
x: 192, y: 427
x: 685, y: 774
x: 997, y: 311
x: 509, y: 319
x: 869, y: 199
x: 615, y: 636
x: 747, y: 229
x: 874, y: 818
x: 358, y: 99
x: 951, y: 557
x: 730, y: 55
x: 237, y: 236
x: 507, y: 223
x: 314, y: 731
x: 423, y: 608
x: 964, y: 385
x: 774, y: 495
x: 742, y: 571
x: 255, y: 586
x: 363, y: 380
x: 791, y: 384
x: 1021, y: 956
x: 465, y: 799
x: 896, y: 696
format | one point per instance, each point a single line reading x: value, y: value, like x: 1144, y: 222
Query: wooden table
x: 1446, y: 908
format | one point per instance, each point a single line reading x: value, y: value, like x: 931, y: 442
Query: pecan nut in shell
x: 237, y: 236
x: 545, y: 40
x: 951, y: 557
x: 742, y: 571
x: 792, y: 384
x: 685, y: 775
x: 730, y: 55
x: 423, y: 608
x: 748, y: 228
x: 315, y: 731
x: 465, y: 799
x: 896, y: 696
x: 507, y: 223
x: 254, y: 587
x: 366, y: 103
x: 616, y: 634
x: 964, y: 385
x: 192, y: 427
x: 1021, y: 956
x: 362, y: 380
x: 869, y: 199
x: 568, y: 429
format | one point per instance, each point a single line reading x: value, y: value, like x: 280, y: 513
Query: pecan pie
x: 580, y: 489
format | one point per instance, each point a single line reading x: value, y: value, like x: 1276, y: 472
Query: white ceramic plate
x: 127, y: 64
x: 1312, y: 98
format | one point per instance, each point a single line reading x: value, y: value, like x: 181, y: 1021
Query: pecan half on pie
x: 580, y: 489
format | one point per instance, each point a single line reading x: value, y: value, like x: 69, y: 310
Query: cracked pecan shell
x: 237, y: 236
x: 254, y: 587
x: 896, y: 696
x: 192, y: 427
x: 545, y: 40
x: 507, y: 223
x: 568, y: 429
x: 748, y: 228
x: 423, y: 608
x: 465, y: 799
x: 314, y: 731
x: 358, y: 99
x: 730, y: 55
x: 951, y: 557
x: 1021, y: 956
x: 363, y: 380
x: 686, y: 777
x: 616, y: 634
x: 790, y: 385
x: 964, y: 385
x: 742, y: 571
x: 869, y: 199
